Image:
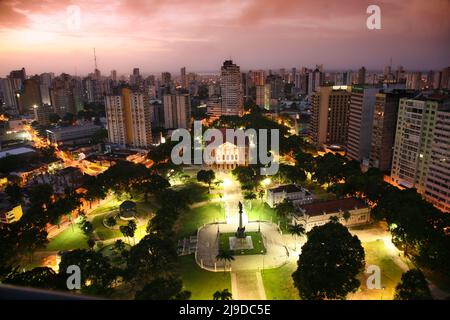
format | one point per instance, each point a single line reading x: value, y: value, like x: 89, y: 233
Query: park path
x: 247, y: 285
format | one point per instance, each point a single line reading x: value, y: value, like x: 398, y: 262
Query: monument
x: 241, y: 241
x: 240, y: 233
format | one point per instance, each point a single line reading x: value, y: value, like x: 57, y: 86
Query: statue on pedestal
x: 240, y: 233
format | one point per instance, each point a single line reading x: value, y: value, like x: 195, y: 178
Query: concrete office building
x: 329, y: 115
x: 177, y: 111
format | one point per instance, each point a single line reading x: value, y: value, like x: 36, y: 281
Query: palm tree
x: 226, y: 256
x: 222, y: 295
x: 110, y: 221
x: 119, y: 245
x: 132, y: 229
x: 296, y: 230
x: 334, y: 219
x: 249, y: 196
x: 126, y: 231
x: 346, y: 215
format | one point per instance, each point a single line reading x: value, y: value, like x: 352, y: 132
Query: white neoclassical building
x: 293, y: 192
x: 229, y: 154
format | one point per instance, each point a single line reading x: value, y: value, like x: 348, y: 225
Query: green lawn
x: 258, y: 245
x: 107, y: 206
x: 200, y: 282
x: 144, y: 210
x: 103, y: 232
x: 195, y: 191
x: 68, y: 239
x: 191, y: 219
x: 260, y: 210
x: 377, y: 254
x: 278, y: 283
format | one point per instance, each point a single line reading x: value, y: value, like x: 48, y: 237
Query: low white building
x: 319, y: 213
x: 293, y: 192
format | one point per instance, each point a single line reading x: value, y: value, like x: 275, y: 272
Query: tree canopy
x: 329, y: 263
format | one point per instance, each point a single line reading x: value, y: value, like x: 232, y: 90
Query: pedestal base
x: 241, y: 243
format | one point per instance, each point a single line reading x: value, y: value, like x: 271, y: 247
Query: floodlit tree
x: 206, y: 176
x: 413, y: 286
x: 40, y: 277
x: 329, y: 263
x: 169, y: 288
x: 97, y: 273
x: 285, y: 208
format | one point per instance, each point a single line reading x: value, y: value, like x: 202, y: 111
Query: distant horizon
x: 60, y: 35
x: 215, y: 72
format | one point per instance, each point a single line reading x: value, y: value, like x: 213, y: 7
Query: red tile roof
x: 333, y: 206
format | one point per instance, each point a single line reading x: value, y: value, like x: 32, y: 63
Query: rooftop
x: 333, y: 206
x: 15, y: 152
x: 288, y: 188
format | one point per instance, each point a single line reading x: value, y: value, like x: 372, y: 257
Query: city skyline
x: 164, y: 36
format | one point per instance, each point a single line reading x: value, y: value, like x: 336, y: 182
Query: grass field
x: 258, y: 245
x: 191, y: 219
x: 261, y: 211
x: 377, y: 254
x: 278, y: 283
x: 71, y: 238
x: 200, y: 282
x: 103, y: 232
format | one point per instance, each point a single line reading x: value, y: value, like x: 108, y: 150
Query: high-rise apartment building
x: 184, y: 81
x: 263, y: 96
x: 437, y: 183
x: 10, y: 94
x: 231, y: 89
x: 361, y: 76
x: 18, y: 74
x: 329, y: 115
x: 421, y: 153
x: 414, y: 80
x: 315, y: 80
x: 362, y: 105
x: 30, y: 95
x: 129, y: 119
x: 258, y: 77
x: 177, y: 111
x: 384, y: 126
x: 66, y: 95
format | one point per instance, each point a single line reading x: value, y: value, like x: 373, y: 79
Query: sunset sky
x: 164, y: 35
